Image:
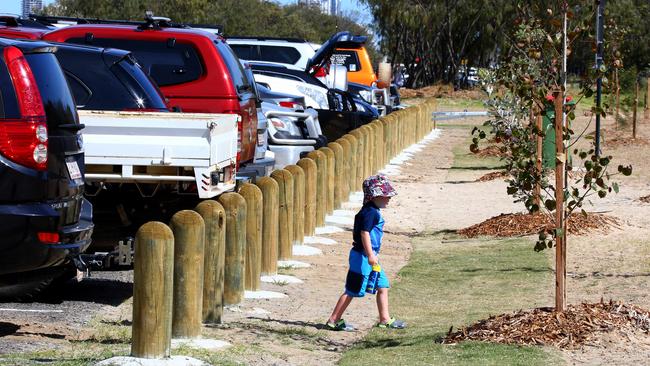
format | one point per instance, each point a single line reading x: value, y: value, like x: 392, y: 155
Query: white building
x: 31, y: 6
x: 330, y: 7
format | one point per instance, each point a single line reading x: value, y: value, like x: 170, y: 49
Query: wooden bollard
x: 253, y: 263
x: 359, y: 158
x: 381, y: 144
x: 298, y: 203
x: 321, y: 184
x: 367, y: 150
x: 270, y: 207
x: 345, y: 179
x: 189, y: 246
x: 309, y: 168
x: 285, y: 204
x: 339, y: 173
x: 233, y: 274
x: 214, y: 256
x: 352, y: 163
x: 153, y: 278
x: 329, y: 203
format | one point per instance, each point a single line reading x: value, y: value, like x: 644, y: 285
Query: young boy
x: 366, y: 235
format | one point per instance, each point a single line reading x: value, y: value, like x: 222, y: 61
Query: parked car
x: 291, y: 52
x: 339, y: 111
x: 342, y: 49
x: 46, y: 221
x: 196, y: 70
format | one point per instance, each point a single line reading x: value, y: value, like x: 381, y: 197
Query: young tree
x: 533, y: 75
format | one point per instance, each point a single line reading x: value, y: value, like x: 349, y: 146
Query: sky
x: 13, y: 6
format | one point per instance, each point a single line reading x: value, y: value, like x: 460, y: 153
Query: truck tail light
x: 24, y: 140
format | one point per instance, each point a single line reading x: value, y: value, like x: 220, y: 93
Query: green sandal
x: 392, y: 323
x: 339, y: 326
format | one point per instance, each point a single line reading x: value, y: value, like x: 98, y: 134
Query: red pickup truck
x: 196, y: 70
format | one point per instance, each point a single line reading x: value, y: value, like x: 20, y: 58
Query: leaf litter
x: 578, y: 325
x: 493, y: 176
x: 522, y: 224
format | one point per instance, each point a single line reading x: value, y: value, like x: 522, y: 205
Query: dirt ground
x: 432, y: 197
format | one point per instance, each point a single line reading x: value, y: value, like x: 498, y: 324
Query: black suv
x: 46, y: 222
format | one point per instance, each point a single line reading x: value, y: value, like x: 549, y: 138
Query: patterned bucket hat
x: 377, y: 186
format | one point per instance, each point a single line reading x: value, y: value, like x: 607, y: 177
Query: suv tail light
x: 48, y: 238
x: 320, y: 72
x: 291, y: 105
x: 24, y: 141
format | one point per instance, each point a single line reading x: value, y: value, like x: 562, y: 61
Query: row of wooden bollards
x: 207, y: 257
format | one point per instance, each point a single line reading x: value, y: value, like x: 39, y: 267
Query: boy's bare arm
x: 367, y: 247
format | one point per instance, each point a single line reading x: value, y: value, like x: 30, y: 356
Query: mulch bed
x: 490, y: 151
x: 521, y: 224
x: 645, y: 199
x: 543, y: 326
x: 492, y: 176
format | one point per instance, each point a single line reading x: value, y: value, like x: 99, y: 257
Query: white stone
x: 134, y: 361
x: 323, y: 230
x: 200, y: 343
x: 258, y: 311
x: 293, y: 264
x: 280, y: 279
x: 305, y: 250
x: 339, y: 220
x: 319, y: 240
x: 356, y: 197
x: 233, y: 308
x: 344, y: 213
x: 263, y: 295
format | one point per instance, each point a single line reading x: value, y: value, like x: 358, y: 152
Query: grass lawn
x: 454, y: 283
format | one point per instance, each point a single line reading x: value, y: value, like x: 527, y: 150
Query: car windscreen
x: 55, y: 93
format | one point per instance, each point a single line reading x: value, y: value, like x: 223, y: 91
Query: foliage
x: 432, y: 38
x: 532, y: 77
x: 238, y: 17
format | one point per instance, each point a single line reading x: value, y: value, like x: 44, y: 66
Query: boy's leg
x: 340, y: 307
x: 382, y: 305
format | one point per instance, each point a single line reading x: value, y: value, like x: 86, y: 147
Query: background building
x: 31, y: 6
x: 331, y: 7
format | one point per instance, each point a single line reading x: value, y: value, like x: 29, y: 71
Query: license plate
x: 73, y: 169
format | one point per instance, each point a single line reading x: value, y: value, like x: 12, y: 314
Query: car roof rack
x: 216, y: 28
x: 150, y: 21
x: 262, y: 38
x: 12, y: 20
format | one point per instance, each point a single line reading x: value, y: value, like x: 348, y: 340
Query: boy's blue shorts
x: 357, y: 279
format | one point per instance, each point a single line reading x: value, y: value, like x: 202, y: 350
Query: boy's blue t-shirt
x: 368, y: 219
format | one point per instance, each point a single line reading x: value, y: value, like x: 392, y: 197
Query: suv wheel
x: 25, y: 287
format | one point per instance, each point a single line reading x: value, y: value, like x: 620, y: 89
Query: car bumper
x: 20, y: 248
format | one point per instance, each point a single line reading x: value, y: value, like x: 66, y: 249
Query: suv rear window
x: 285, y: 55
x: 244, y: 51
x: 349, y: 59
x: 95, y: 86
x: 168, y: 63
x: 242, y: 84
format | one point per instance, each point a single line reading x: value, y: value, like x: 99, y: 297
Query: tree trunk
x: 560, y: 227
x: 636, y: 106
